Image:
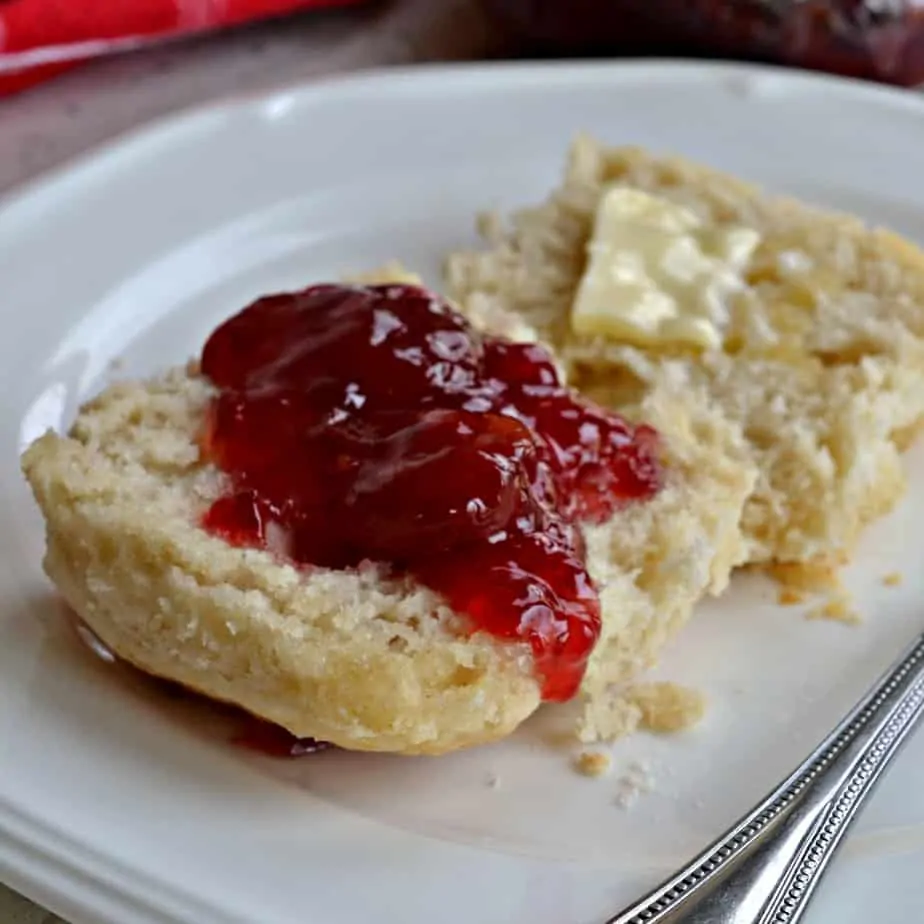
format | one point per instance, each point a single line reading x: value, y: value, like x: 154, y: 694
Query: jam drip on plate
x: 275, y: 741
x: 373, y: 423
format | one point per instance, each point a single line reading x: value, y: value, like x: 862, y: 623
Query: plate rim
x: 48, y: 865
x: 384, y: 80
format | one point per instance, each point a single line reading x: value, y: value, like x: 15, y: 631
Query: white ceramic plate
x: 118, y: 806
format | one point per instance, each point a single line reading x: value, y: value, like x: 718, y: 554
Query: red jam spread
x: 375, y: 424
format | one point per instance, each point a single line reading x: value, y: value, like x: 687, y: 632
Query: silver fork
x: 764, y: 870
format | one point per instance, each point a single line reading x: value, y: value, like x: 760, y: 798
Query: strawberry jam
x: 375, y: 424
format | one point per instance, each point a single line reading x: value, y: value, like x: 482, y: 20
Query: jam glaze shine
x: 374, y: 423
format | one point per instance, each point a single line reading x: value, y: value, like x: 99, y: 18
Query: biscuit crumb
x: 635, y: 782
x: 607, y: 717
x: 592, y: 763
x: 789, y: 596
x: 668, y: 707
x: 893, y: 579
x: 837, y: 609
x: 657, y: 706
x: 806, y: 578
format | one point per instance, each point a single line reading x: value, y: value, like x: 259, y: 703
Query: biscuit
x: 822, y: 371
x: 348, y: 656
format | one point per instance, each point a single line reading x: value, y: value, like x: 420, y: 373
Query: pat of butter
x: 656, y: 275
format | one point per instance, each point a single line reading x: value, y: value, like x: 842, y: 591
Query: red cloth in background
x: 41, y: 38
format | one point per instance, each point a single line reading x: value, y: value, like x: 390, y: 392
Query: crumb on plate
x: 655, y: 706
x: 836, y: 609
x: 805, y: 578
x: 592, y: 763
x: 789, y: 596
x: 668, y: 707
x: 635, y: 782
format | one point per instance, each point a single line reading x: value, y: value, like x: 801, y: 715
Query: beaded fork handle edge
x: 765, y: 868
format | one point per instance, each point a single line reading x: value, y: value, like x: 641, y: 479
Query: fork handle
x: 764, y: 869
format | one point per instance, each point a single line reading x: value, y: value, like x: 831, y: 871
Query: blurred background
x: 74, y: 72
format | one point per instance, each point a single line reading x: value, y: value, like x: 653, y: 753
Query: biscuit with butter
x: 804, y: 328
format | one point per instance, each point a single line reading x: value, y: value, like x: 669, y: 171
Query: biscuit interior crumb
x: 798, y: 580
x: 668, y: 707
x: 655, y: 706
x: 893, y: 579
